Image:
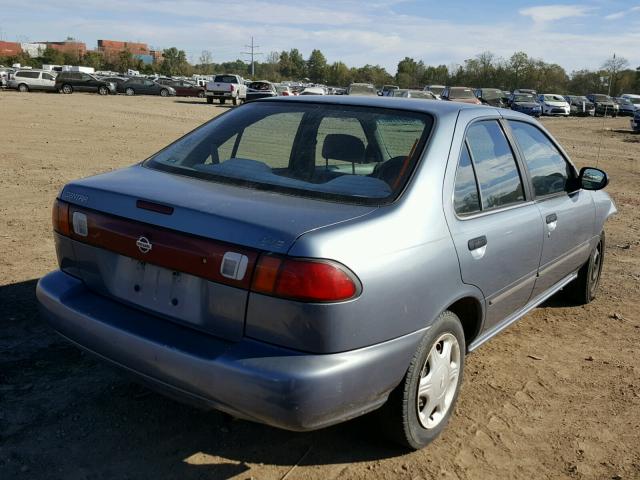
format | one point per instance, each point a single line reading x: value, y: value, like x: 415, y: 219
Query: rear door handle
x: 476, y: 243
x: 552, y: 218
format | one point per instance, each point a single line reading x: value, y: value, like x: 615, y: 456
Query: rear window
x: 461, y: 92
x: 225, y: 79
x: 331, y: 152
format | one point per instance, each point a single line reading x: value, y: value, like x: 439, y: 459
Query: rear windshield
x: 332, y: 152
x: 602, y: 98
x: 225, y: 79
x: 524, y: 98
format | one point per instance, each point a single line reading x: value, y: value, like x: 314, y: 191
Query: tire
x: 234, y: 100
x: 201, y: 94
x: 222, y: 101
x: 405, y: 417
x: 164, y: 92
x: 130, y: 92
x: 584, y: 288
x: 23, y: 88
x: 67, y: 89
x: 210, y: 100
x: 103, y: 90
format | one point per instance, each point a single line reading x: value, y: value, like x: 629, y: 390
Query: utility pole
x: 253, y: 53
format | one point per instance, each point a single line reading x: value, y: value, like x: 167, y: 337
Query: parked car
x: 603, y: 104
x: 261, y: 89
x: 525, y: 90
x: 145, y: 86
x: 635, y: 121
x: 226, y: 87
x: 625, y: 106
x: 183, y: 88
x: 580, y: 105
x: 69, y: 82
x: 490, y: 96
x: 5, y: 75
x: 635, y: 99
x: 313, y: 91
x: 301, y: 287
x: 284, y: 90
x: 31, y: 79
x: 460, y: 94
x: 525, y: 103
x: 422, y: 94
x: 435, y: 89
x: 554, y: 104
x: 387, y: 90
x: 363, y: 89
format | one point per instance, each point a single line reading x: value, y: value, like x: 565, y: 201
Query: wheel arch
x: 470, y: 311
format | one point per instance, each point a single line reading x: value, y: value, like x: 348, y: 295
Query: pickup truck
x: 225, y: 87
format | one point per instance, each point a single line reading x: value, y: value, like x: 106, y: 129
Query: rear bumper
x: 248, y: 379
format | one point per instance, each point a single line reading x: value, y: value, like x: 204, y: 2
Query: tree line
x: 484, y: 70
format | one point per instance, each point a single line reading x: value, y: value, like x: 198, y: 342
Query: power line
x: 253, y: 52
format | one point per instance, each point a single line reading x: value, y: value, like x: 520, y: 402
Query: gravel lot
x: 555, y: 396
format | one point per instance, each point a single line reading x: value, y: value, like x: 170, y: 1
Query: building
x: 10, y: 49
x: 33, y: 49
x: 111, y: 49
x: 69, y: 46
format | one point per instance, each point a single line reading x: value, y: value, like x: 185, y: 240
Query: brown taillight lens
x: 60, y: 217
x: 307, y: 280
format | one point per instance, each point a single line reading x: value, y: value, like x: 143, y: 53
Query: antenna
x: 253, y: 47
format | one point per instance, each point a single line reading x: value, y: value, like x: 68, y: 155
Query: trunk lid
x: 181, y: 272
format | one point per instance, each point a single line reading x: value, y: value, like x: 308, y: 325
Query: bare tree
x: 206, y: 62
x: 614, y: 66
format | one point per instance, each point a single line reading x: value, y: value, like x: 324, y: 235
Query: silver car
x: 28, y: 79
x: 302, y: 261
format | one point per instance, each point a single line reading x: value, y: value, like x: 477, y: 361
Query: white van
x: 27, y: 80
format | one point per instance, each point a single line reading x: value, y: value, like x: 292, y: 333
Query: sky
x: 573, y: 34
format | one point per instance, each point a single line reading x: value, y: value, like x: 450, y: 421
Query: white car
x: 554, y: 104
x: 31, y: 79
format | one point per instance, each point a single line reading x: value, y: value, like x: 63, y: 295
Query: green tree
x: 52, y: 57
x: 317, y: 67
x: 409, y: 73
x: 175, y: 62
x: 93, y: 59
x: 339, y: 75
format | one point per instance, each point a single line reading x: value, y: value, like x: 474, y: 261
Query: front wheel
x: 103, y: 90
x: 130, y: 92
x: 584, y: 288
x: 420, y: 407
x: 201, y: 95
x: 23, y: 88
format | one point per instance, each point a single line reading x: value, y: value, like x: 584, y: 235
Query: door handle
x: 552, y: 218
x: 476, y: 243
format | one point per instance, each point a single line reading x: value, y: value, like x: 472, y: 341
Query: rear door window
x: 495, y: 165
x: 549, y: 170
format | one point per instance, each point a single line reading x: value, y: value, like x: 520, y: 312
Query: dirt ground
x: 555, y: 396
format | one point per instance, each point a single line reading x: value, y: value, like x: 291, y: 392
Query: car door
x: 568, y: 212
x: 48, y: 81
x: 495, y: 225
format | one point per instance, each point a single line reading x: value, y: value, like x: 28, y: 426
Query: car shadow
x: 87, y: 411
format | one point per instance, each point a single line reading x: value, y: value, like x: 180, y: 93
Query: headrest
x: 347, y: 148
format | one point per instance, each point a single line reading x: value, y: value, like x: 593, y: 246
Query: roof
x: 428, y: 106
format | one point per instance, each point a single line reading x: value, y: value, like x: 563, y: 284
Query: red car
x: 183, y: 88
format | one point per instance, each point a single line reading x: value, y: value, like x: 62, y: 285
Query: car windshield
x: 362, y: 90
x: 436, y: 89
x: 635, y: 101
x: 461, y: 92
x: 602, y: 98
x: 526, y: 97
x: 553, y: 98
x: 489, y: 93
x: 331, y: 152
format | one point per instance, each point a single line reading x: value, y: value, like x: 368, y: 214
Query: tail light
x: 60, y: 217
x: 304, y: 279
x: 232, y: 87
x: 285, y: 94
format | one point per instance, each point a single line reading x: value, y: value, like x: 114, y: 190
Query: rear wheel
x: 420, y: 407
x: 130, y: 92
x: 103, y: 90
x: 235, y: 100
x: 67, y: 89
x: 23, y: 88
x: 584, y: 288
x: 164, y: 92
x: 222, y: 100
x: 210, y: 100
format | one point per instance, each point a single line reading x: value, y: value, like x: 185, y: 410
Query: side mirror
x: 592, y: 178
x: 380, y: 93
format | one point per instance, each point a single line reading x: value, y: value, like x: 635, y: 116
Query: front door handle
x: 552, y: 218
x: 476, y: 243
